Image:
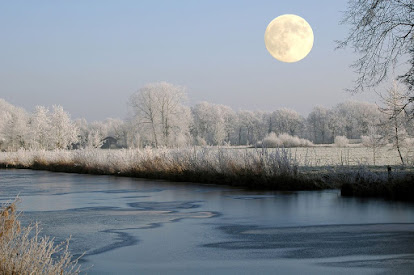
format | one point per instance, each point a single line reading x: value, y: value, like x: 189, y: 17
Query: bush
x: 284, y: 140
x: 341, y: 141
x: 367, y: 141
x: 271, y: 141
x: 23, y: 251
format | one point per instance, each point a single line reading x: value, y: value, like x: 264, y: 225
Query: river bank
x: 267, y: 169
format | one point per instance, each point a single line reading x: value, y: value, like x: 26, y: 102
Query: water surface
x: 129, y: 226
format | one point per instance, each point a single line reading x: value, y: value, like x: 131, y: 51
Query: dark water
x: 131, y: 226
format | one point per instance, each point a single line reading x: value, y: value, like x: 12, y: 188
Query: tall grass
x: 267, y: 168
x: 24, y: 251
x: 263, y: 168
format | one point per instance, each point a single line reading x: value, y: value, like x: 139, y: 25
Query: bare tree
x: 394, y: 102
x: 374, y: 139
x: 381, y: 31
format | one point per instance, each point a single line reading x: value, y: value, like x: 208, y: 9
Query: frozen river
x: 130, y: 226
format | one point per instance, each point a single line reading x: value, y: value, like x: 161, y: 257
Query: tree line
x: 160, y: 117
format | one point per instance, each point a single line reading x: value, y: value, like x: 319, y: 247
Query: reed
x: 24, y: 251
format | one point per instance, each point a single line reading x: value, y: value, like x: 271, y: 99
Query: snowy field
x: 355, y: 155
x: 330, y: 155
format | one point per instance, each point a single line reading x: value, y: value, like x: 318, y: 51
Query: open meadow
x: 357, y: 154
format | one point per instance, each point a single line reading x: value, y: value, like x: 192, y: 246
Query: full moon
x: 289, y: 38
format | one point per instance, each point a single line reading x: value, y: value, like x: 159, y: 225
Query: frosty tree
x: 159, y: 111
x: 13, y: 127
x: 208, y: 123
x: 63, y: 132
x: 249, y: 127
x: 39, y: 128
x: 317, y: 122
x: 286, y: 121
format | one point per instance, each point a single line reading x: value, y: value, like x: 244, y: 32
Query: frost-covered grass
x: 263, y: 168
x: 268, y: 168
x: 363, y: 181
x: 351, y: 155
x: 24, y: 251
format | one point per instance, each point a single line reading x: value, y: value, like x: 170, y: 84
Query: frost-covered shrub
x: 294, y: 141
x: 341, y: 141
x: 366, y: 141
x: 271, y: 141
x: 24, y: 251
x: 284, y: 140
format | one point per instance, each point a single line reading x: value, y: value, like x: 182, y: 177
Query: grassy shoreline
x: 255, y: 169
x: 242, y: 179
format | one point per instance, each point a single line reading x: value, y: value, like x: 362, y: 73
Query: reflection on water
x: 127, y: 225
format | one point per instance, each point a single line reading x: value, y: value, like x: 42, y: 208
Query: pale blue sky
x: 89, y: 56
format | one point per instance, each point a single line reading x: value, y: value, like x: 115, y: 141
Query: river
x: 138, y: 226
